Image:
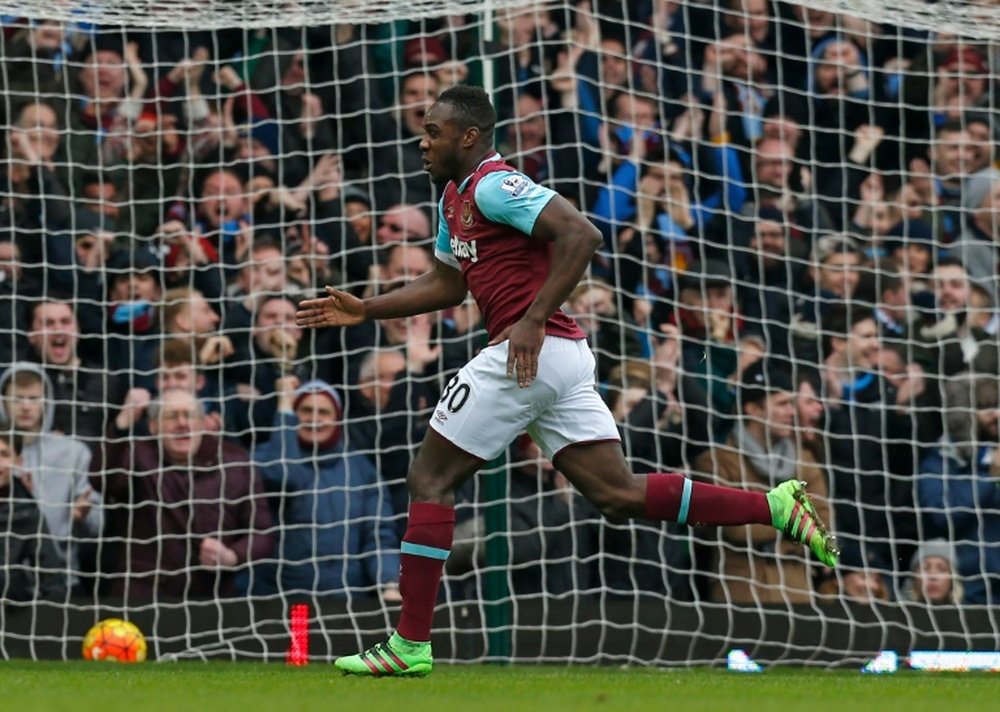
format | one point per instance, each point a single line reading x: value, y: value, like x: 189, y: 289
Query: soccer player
x: 520, y: 249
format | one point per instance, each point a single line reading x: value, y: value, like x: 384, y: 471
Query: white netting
x: 978, y: 18
x: 772, y: 180
x: 249, y: 14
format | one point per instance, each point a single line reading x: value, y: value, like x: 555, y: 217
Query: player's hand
x: 336, y: 309
x: 526, y: 338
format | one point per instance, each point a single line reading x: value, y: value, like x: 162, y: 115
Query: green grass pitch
x: 247, y: 687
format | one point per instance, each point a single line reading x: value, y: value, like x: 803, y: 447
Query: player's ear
x: 471, y: 137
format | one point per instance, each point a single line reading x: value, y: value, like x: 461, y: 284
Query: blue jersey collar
x: 495, y: 157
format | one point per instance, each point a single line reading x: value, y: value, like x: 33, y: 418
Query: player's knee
x: 613, y: 509
x: 421, y: 487
x: 606, y: 507
x: 424, y: 487
x: 619, y: 504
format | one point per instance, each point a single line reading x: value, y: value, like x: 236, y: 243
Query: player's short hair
x: 471, y: 107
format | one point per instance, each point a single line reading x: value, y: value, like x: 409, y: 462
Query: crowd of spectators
x: 798, y: 279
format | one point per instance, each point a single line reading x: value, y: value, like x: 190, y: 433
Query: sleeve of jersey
x: 512, y: 198
x: 442, y: 248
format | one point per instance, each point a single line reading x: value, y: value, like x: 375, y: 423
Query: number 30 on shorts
x: 456, y: 395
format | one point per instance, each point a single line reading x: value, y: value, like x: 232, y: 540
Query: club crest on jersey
x: 514, y: 184
x: 467, y: 218
x: 464, y: 250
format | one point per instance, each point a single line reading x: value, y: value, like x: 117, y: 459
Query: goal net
x: 798, y: 280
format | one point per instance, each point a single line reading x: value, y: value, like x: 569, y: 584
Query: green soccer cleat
x: 793, y: 513
x: 396, y: 657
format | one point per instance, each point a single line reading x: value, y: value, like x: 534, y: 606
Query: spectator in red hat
x: 962, y: 82
x: 424, y: 52
x: 430, y: 53
x: 337, y: 534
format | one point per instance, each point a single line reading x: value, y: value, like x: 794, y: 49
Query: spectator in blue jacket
x: 336, y: 530
x: 637, y: 140
x: 957, y: 486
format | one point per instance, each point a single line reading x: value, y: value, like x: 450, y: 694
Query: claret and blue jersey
x: 484, y: 229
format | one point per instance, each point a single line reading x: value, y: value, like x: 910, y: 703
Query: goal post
x: 798, y: 279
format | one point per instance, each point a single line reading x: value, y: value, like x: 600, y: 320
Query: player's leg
x: 601, y: 474
x: 578, y: 432
x: 599, y: 471
x: 438, y: 469
x: 479, y: 413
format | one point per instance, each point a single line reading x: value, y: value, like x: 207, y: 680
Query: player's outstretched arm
x: 337, y: 308
x: 440, y: 288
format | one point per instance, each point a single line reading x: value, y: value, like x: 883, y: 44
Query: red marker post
x: 298, y: 650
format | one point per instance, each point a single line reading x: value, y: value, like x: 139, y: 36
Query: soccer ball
x: 115, y: 640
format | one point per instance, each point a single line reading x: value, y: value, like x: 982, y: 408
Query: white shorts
x: 482, y: 410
